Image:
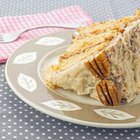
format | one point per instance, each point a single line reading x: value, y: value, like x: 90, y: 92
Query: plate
x: 25, y: 75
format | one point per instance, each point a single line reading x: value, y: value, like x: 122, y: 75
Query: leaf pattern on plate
x: 27, y: 82
x: 50, y: 41
x: 113, y: 114
x: 25, y: 58
x: 62, y: 105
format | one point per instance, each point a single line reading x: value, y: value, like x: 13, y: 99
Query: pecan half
x: 108, y: 93
x: 93, y: 71
x: 100, y: 65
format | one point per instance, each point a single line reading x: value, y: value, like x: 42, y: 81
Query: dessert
x: 103, y: 61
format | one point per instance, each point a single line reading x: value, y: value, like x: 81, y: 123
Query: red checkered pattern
x: 71, y: 14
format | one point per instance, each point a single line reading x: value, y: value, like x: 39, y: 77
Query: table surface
x: 22, y: 122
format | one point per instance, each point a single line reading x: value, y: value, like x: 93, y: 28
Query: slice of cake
x: 103, y: 62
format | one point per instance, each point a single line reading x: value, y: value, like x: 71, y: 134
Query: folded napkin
x: 67, y: 15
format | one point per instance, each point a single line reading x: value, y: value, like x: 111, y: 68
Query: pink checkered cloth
x: 67, y: 15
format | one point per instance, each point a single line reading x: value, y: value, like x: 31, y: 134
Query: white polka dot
x: 48, y: 130
x: 49, y: 137
x: 89, y: 133
x: 136, y: 130
x: 121, y: 134
x: 54, y: 133
x: 9, y: 133
x: 15, y: 116
x: 31, y: 112
x: 32, y: 134
x: 26, y: 123
x: 3, y: 130
x: 71, y: 137
x: 128, y: 138
x: 132, y: 134
x: 58, y: 123
x: 44, y: 126
x: 15, y: 104
x: 3, y: 137
x: 117, y: 138
x: 99, y: 134
x: 94, y: 137
x: 26, y: 137
x: 20, y: 120
x: 37, y: 130
x: 20, y: 102
x: 37, y: 138
x: 36, y: 116
x: 53, y: 120
x: 43, y: 134
x: 9, y: 126
x: 15, y: 98
x: 83, y: 137
x: 31, y: 126
x: 76, y: 133
x: 64, y: 126
x: 14, y: 137
x: 14, y: 130
x: 65, y: 133
x: 26, y: 130
x: 60, y: 137
x: 3, y: 123
x: 60, y: 130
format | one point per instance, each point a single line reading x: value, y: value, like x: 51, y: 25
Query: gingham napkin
x: 67, y: 15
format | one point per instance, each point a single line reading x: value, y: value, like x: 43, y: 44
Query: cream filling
x: 125, y: 62
x: 77, y: 78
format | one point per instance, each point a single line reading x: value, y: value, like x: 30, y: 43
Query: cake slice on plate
x: 103, y: 62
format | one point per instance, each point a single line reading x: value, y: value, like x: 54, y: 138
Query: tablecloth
x: 18, y: 121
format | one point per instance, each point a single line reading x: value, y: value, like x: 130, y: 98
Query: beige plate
x: 25, y: 75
